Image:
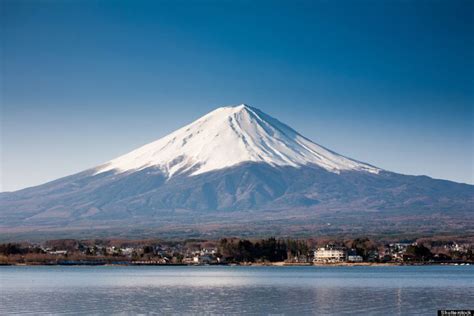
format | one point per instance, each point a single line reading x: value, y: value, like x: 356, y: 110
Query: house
x: 126, y: 251
x: 188, y: 260
x: 58, y: 252
x: 354, y: 258
x: 298, y: 259
x: 203, y: 259
x: 330, y: 254
x: 397, y: 250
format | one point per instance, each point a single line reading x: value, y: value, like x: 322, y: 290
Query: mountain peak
x: 229, y: 136
x: 240, y: 106
x: 230, y: 109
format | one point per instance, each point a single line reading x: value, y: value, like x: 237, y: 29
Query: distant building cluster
x: 238, y: 251
x: 393, y: 252
x: 203, y: 256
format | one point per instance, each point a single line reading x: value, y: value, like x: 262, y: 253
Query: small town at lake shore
x: 235, y: 251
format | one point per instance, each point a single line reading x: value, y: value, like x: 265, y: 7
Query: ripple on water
x: 242, y: 290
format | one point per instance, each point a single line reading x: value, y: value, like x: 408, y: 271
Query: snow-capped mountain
x: 236, y: 165
x: 227, y: 137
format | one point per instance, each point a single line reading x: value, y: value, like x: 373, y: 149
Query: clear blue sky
x: 390, y: 83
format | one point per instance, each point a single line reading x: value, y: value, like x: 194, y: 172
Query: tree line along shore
x: 268, y: 251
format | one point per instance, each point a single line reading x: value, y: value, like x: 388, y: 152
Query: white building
x: 203, y: 259
x: 58, y: 252
x: 354, y: 258
x: 329, y: 255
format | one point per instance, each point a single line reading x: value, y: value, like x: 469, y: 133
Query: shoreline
x: 263, y: 264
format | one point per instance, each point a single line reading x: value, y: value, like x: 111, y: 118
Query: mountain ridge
x: 206, y: 174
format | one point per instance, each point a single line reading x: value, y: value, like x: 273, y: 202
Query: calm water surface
x: 236, y: 290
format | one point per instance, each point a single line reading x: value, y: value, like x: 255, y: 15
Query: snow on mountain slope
x: 229, y: 136
x: 250, y: 173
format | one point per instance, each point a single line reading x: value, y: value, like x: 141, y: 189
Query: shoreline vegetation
x: 246, y: 264
x: 344, y: 252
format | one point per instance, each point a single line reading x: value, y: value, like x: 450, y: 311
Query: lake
x: 390, y: 290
